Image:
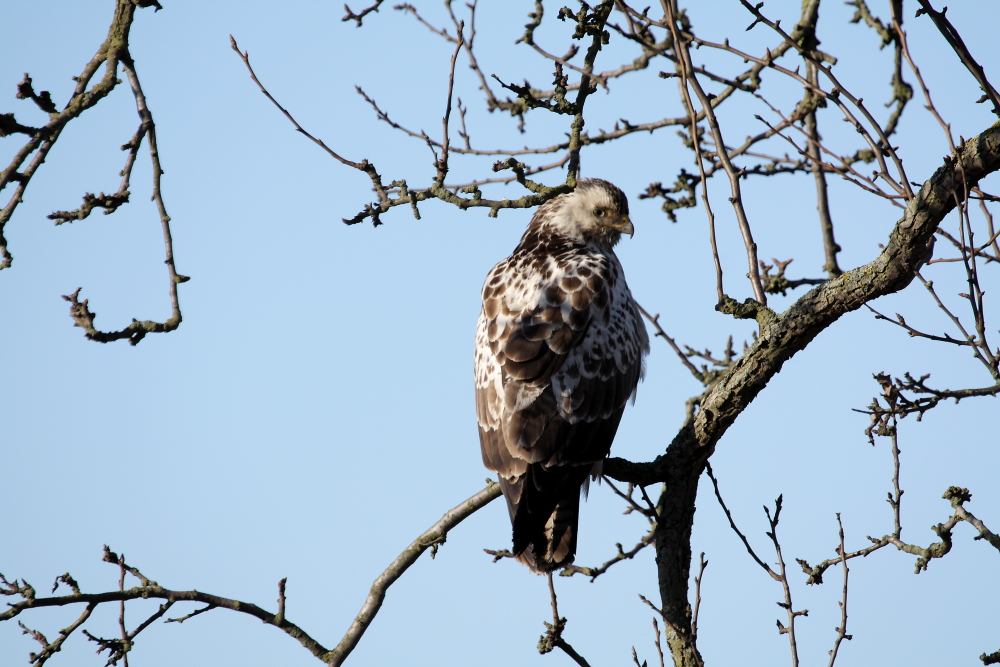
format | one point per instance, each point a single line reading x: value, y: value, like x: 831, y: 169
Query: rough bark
x: 782, y: 335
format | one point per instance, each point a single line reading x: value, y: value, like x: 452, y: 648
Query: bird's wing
x: 527, y: 327
x: 554, y: 350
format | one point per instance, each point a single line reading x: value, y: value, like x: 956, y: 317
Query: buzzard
x: 559, y: 351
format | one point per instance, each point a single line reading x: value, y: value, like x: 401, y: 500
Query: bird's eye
x: 599, y: 212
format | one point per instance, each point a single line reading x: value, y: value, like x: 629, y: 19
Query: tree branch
x: 958, y: 45
x: 429, y: 539
x: 433, y: 536
x: 781, y: 336
x: 44, y: 138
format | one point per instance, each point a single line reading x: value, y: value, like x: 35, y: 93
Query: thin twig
x: 683, y: 68
x: 245, y: 57
x: 649, y: 513
x: 552, y: 598
x: 787, y: 604
x: 208, y: 607
x: 154, y: 154
x: 901, y: 322
x: 595, y: 572
x: 280, y: 616
x: 929, y: 286
x: 155, y: 616
x: 655, y: 321
x: 442, y: 164
x: 732, y: 524
x: 656, y: 640
x: 842, y: 630
x: 553, y: 631
x: 958, y: 45
x: 736, y: 199
x: 126, y: 645
x: 902, y: 187
x: 702, y: 564
x: 979, y: 251
x: 830, y: 247
x: 357, y: 18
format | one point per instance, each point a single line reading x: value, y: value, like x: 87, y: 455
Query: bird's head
x: 595, y: 211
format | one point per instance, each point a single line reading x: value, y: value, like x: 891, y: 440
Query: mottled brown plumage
x: 559, y: 351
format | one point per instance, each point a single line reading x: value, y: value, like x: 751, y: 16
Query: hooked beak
x: 624, y: 227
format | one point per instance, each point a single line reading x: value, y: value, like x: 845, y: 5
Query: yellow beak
x: 625, y: 226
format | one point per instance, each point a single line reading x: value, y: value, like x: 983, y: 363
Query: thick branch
x: 782, y: 335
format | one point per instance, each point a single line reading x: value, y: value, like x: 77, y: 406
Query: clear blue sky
x: 314, y: 412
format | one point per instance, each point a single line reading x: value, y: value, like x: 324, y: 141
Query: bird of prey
x: 560, y: 349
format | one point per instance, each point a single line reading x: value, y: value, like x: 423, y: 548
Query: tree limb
x: 782, y: 335
x: 433, y: 536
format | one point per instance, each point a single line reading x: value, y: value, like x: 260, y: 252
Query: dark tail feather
x: 545, y: 510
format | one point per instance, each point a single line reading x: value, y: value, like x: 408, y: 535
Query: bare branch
x: 702, y: 564
x: 442, y: 164
x: 194, y: 613
x: 434, y: 535
x: 901, y: 322
x: 357, y: 18
x: 958, y: 45
x: 145, y: 624
x: 979, y: 251
x: 976, y: 344
x: 50, y: 649
x: 656, y: 641
x: 553, y: 632
x: 732, y: 524
x: 655, y: 321
x: 887, y: 426
x: 684, y: 57
x: 684, y: 70
x: 649, y: 513
x: 110, y: 53
x: 830, y: 247
x: 406, y: 196
x: 157, y: 592
x: 783, y: 578
x: 883, y: 146
x: 842, y: 630
x: 245, y: 57
x: 778, y: 283
x: 595, y: 572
